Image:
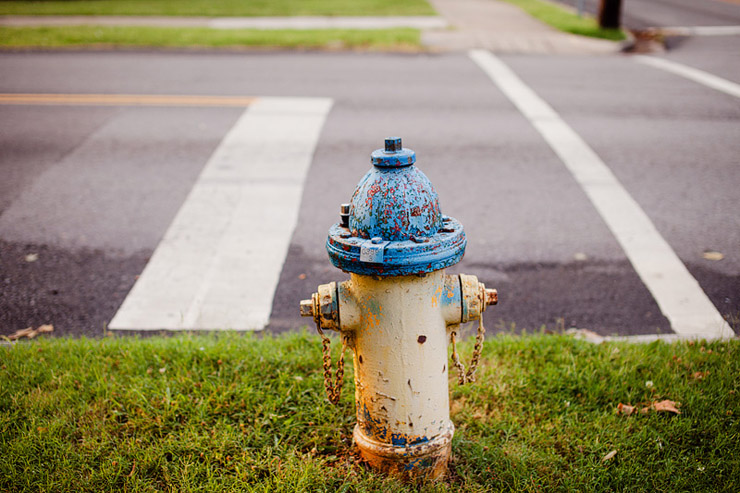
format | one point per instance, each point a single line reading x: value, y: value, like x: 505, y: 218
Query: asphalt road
x: 87, y: 192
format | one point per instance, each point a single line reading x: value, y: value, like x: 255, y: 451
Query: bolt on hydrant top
x: 393, y: 225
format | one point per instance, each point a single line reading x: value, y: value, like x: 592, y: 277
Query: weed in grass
x: 231, y: 412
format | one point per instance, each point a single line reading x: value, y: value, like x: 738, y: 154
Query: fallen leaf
x: 699, y: 375
x: 30, y: 332
x: 711, y: 255
x: 608, y: 456
x: 586, y: 335
x: 666, y: 406
x: 20, y: 333
x: 301, y: 276
x: 625, y: 409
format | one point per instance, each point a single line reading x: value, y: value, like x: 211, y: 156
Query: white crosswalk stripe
x: 219, y: 262
x: 675, y: 290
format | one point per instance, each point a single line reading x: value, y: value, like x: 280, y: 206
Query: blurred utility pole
x: 610, y: 13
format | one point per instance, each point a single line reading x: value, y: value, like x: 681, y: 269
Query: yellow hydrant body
x: 400, y: 358
x: 397, y: 313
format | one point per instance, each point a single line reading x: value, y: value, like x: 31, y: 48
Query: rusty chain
x: 456, y: 359
x: 333, y: 389
x: 469, y: 376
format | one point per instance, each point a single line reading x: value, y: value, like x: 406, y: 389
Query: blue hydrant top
x: 393, y: 225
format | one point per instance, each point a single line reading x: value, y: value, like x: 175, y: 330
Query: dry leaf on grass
x: 608, y: 456
x: 625, y: 409
x: 662, y: 406
x: 666, y: 406
x: 30, y: 332
x: 699, y: 375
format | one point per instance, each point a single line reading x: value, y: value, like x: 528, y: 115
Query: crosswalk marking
x: 691, y: 73
x: 219, y: 262
x: 675, y: 290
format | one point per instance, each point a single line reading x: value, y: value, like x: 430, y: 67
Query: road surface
x: 91, y: 188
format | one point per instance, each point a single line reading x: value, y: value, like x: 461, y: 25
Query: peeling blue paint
x: 420, y: 463
x: 395, y: 207
x: 373, y: 428
x: 403, y: 439
x: 451, y: 294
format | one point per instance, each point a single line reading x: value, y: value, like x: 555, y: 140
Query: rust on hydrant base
x: 405, y: 462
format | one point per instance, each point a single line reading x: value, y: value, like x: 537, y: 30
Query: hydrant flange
x: 397, y: 258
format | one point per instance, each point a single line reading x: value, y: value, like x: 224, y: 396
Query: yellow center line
x: 125, y: 100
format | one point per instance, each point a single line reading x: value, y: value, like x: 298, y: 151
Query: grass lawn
x: 559, y: 18
x: 123, y: 36
x: 229, y: 412
x: 218, y: 8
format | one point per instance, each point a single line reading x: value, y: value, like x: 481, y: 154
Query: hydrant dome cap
x: 394, y: 225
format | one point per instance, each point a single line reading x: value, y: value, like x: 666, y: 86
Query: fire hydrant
x: 398, y: 312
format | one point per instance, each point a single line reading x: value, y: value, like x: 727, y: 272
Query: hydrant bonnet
x: 395, y: 224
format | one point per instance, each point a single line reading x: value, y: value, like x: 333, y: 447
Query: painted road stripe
x: 219, y: 262
x: 691, y: 73
x: 676, y: 292
x: 124, y: 100
x: 700, y: 31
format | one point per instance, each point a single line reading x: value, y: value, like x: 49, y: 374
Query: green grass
x: 218, y: 8
x: 226, y: 413
x: 120, y: 36
x: 566, y: 21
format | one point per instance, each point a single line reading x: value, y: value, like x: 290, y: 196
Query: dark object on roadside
x: 610, y: 13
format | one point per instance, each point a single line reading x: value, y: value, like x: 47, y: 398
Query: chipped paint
x: 398, y: 329
x: 401, y: 396
x: 395, y: 226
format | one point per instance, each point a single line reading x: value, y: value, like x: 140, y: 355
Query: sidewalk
x: 504, y: 28
x: 462, y: 25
